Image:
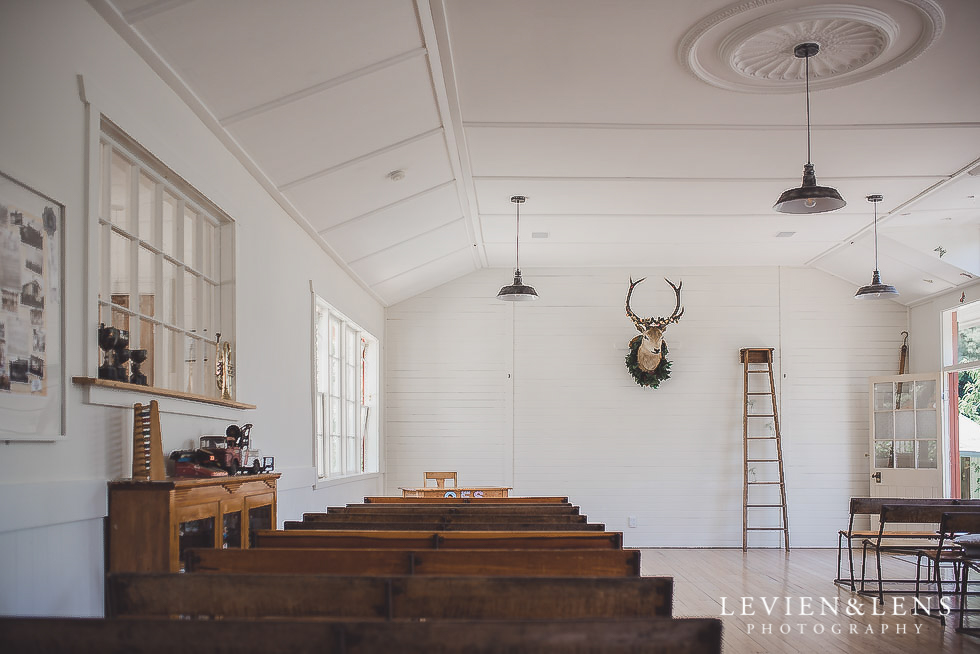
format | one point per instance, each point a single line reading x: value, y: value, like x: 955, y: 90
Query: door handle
x: 877, y: 477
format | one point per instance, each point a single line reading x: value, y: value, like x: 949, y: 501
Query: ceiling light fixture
x: 875, y: 290
x: 518, y: 292
x: 808, y: 198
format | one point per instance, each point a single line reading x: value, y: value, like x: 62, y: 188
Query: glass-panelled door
x: 906, y: 436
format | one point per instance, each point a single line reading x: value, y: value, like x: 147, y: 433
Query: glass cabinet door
x: 194, y: 533
x: 231, y: 529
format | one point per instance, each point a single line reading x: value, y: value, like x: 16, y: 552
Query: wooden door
x: 906, y: 444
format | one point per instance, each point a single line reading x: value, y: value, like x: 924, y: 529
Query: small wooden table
x: 470, y: 491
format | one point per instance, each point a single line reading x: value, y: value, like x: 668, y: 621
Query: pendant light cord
x: 518, y: 236
x: 876, y: 235
x: 807, y: 69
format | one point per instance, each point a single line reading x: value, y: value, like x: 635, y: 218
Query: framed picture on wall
x: 32, y: 367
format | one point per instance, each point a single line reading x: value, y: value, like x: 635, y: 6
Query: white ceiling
x: 595, y: 111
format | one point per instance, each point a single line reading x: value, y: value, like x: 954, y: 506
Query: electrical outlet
x: 631, y: 520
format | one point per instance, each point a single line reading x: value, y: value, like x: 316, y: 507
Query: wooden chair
x: 947, y: 552
x: 890, y: 541
x: 871, y: 506
x: 440, y: 478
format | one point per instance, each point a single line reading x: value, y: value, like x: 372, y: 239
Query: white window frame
x: 348, y: 388
x: 194, y: 373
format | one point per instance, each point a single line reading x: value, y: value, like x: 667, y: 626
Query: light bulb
x: 809, y: 203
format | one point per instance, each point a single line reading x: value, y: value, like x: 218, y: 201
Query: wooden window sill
x: 93, y: 382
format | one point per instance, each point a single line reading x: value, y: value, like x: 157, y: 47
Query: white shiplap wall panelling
x: 672, y: 457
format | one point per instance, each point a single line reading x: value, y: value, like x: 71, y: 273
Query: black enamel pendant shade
x: 518, y: 291
x: 809, y: 197
x: 875, y: 290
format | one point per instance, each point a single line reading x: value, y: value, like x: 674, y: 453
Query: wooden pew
x: 442, y: 525
x: 154, y: 636
x: 225, y: 596
x: 523, y: 563
x: 460, y: 509
x: 450, y: 518
x: 465, y: 500
x: 431, y: 539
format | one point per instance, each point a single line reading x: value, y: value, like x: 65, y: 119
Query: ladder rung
x: 778, y: 506
x: 759, y: 415
x: 762, y: 460
x: 762, y: 438
x: 762, y: 371
x: 765, y: 482
x: 766, y: 393
x: 765, y: 529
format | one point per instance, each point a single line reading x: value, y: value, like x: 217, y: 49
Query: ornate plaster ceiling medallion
x: 749, y: 46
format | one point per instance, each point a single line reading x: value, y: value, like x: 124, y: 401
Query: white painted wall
x: 537, y: 394
x: 925, y: 327
x: 52, y: 495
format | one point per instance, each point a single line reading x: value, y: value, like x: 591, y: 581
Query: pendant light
x: 875, y: 290
x: 808, y: 198
x: 518, y: 292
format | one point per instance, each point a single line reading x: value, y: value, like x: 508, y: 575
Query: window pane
x: 904, y: 454
x: 925, y: 394
x: 884, y: 452
x: 169, y: 220
x: 148, y: 343
x: 351, y: 383
x: 925, y: 424
x: 884, y: 397
x: 904, y: 424
x: 187, y: 378
x: 169, y: 364
x: 904, y: 399
x: 190, y: 239
x: 119, y: 173
x: 334, y: 385
x: 119, y: 256
x: 335, y: 416
x: 334, y: 455
x: 884, y: 426
x: 351, y: 345
x: 926, y: 454
x: 206, y: 320
x: 190, y: 322
x: 168, y: 312
x: 334, y: 337
x: 147, y: 280
x: 321, y: 463
x: 147, y: 191
x: 208, y: 247
x: 968, y: 337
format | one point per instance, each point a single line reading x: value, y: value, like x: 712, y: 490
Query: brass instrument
x: 223, y: 368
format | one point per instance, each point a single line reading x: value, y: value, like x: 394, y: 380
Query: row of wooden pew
x: 508, y: 574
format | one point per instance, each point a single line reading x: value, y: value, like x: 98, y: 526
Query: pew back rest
x: 428, y: 539
x: 218, y: 596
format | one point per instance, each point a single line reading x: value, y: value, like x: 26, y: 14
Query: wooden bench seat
x: 154, y: 636
x: 440, y: 525
x: 449, y: 518
x: 531, y: 563
x: 223, y: 596
x: 376, y: 499
x: 431, y: 539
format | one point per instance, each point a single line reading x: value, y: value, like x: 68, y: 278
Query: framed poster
x: 32, y: 368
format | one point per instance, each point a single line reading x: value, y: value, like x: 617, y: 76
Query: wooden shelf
x: 162, y: 392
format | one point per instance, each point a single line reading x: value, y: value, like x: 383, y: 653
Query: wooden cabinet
x: 151, y: 523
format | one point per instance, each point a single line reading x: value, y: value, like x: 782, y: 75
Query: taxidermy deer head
x: 652, y: 347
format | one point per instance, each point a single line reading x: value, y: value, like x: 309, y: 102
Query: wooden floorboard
x: 703, y: 576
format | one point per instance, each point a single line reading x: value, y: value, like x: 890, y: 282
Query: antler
x: 676, y: 315
x: 640, y: 323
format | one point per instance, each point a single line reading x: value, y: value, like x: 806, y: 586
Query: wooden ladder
x: 769, y: 450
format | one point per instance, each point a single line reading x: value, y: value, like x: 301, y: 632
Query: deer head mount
x: 647, y: 359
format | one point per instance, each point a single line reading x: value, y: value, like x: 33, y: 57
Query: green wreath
x: 642, y: 377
